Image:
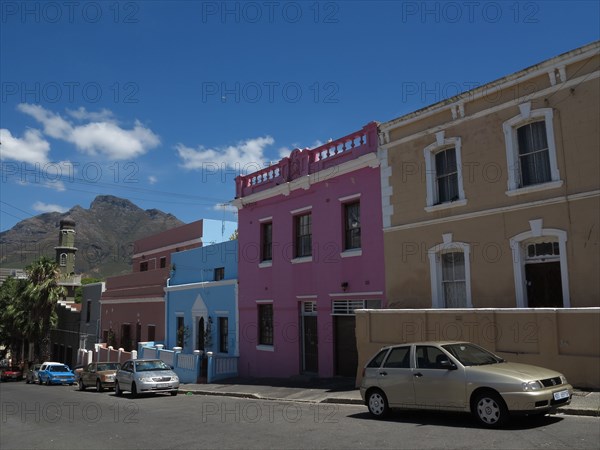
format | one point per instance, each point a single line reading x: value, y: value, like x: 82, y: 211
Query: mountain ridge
x: 105, y: 235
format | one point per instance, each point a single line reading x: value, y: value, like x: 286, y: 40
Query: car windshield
x: 472, y: 355
x: 109, y: 366
x: 145, y: 366
x: 58, y: 369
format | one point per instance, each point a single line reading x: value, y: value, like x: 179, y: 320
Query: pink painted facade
x: 311, y: 297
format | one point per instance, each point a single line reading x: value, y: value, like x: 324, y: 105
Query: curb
x: 351, y: 401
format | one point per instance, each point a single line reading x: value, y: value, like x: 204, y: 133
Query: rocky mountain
x: 104, y: 240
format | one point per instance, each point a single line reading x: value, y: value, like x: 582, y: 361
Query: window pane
x: 534, y: 161
x: 399, y: 358
x: 303, y: 236
x: 446, y: 176
x: 265, y: 320
x: 267, y: 241
x: 352, y: 226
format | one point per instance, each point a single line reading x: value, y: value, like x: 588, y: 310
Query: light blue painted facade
x: 206, y: 305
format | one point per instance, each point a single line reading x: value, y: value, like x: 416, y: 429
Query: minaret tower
x: 65, y: 256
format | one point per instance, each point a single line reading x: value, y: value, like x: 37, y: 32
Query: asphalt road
x: 48, y: 417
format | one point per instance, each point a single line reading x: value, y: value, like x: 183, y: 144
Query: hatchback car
x: 55, y: 373
x: 32, y: 374
x: 459, y: 376
x: 146, y: 375
x: 11, y: 373
x: 98, y: 374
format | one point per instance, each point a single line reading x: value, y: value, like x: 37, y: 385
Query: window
x: 443, y: 173
x: 163, y: 262
x: 88, y: 311
x: 267, y: 241
x: 377, y: 360
x: 223, y: 334
x: 450, y: 270
x: 303, y: 235
x: 399, y: 358
x: 219, y: 273
x: 265, y: 324
x: 430, y: 357
x: 446, y: 176
x: 453, y: 280
x: 531, y: 151
x: 151, y: 333
x: 144, y: 266
x: 534, y: 163
x: 63, y: 259
x: 179, y: 326
x: 352, y: 225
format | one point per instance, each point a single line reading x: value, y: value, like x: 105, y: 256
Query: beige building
x: 491, y: 198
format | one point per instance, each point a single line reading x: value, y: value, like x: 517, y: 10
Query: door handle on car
x: 417, y: 375
x: 383, y: 373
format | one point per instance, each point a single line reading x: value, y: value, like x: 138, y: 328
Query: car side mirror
x: 447, y: 364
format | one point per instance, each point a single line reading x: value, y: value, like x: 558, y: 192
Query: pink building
x: 132, y: 309
x: 311, y: 251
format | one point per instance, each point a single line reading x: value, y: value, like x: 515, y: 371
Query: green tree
x: 42, y: 294
x: 12, y: 316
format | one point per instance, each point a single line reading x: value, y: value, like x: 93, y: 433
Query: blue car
x: 55, y: 373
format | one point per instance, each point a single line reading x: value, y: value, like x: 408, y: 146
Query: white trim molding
x: 442, y: 143
x: 525, y: 116
x: 435, y: 269
x: 519, y: 260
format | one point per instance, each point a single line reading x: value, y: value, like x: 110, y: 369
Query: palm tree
x: 42, y: 294
x: 12, y: 312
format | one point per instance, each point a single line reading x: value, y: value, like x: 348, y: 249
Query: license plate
x: 161, y: 385
x: 560, y: 395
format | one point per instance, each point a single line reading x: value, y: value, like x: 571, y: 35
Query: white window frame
x: 520, y: 259
x: 527, y: 115
x: 442, y: 143
x: 435, y: 269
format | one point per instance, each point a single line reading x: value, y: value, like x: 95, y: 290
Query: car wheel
x: 174, y: 393
x: 81, y: 385
x: 490, y: 409
x: 27, y: 381
x: 133, y: 389
x: 99, y: 387
x: 377, y: 404
x: 118, y: 391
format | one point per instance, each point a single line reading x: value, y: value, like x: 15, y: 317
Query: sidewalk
x: 337, y: 390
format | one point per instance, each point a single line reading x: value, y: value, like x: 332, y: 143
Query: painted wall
x: 287, y: 282
x: 490, y: 217
x: 566, y: 340
x: 90, y: 329
x: 193, y: 292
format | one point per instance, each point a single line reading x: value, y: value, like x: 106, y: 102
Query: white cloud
x: 104, y: 115
x: 152, y: 179
x: 102, y: 136
x: 246, y: 156
x: 225, y: 207
x: 31, y: 148
x: 48, y: 207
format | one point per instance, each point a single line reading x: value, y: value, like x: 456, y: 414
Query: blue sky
x: 164, y: 103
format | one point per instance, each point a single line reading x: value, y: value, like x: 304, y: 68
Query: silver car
x: 146, y: 375
x: 459, y: 376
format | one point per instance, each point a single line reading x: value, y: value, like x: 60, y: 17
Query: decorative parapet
x: 305, y: 162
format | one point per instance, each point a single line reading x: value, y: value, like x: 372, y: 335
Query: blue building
x: 201, y: 300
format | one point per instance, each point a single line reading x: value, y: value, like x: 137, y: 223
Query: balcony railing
x: 309, y: 161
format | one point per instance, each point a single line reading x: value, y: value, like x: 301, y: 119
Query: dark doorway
x: 310, y: 343
x: 544, y: 285
x: 138, y: 334
x: 346, y: 355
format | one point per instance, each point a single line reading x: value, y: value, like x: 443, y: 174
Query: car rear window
x: 378, y: 359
